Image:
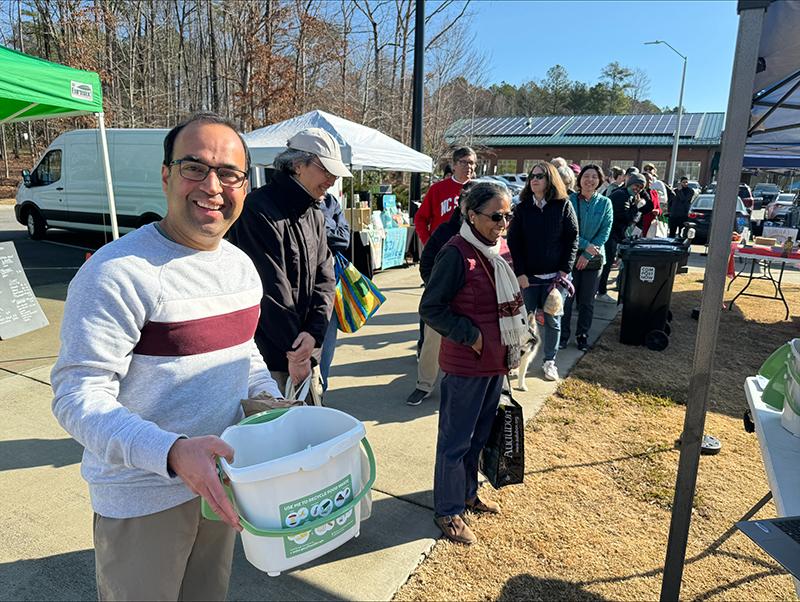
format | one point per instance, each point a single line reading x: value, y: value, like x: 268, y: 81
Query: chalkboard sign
x: 19, y: 310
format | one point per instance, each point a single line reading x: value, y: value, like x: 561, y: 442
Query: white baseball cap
x: 324, y: 146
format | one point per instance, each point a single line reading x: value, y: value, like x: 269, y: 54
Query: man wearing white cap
x: 283, y: 232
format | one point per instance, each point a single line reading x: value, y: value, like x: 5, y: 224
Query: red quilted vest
x: 476, y: 300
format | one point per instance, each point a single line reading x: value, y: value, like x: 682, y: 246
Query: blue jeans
x: 328, y: 348
x: 585, y: 282
x: 534, y: 297
x: 466, y: 415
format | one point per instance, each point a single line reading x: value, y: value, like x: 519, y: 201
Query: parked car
x: 767, y: 192
x: 695, y: 185
x: 711, y: 188
x: 67, y: 188
x: 747, y: 197
x: 515, y: 178
x: 512, y: 186
x: 777, y: 212
x: 493, y: 179
x: 701, y: 212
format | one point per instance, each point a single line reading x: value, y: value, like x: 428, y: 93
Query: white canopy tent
x: 363, y: 148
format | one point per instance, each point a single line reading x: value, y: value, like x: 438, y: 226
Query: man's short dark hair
x: 461, y: 152
x: 684, y: 178
x: 631, y: 170
x: 172, y: 135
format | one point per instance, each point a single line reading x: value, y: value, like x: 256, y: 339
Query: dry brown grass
x: 592, y: 518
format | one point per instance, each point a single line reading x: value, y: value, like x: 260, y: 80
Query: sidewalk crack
x: 43, y: 382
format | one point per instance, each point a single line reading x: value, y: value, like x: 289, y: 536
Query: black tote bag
x: 502, y: 459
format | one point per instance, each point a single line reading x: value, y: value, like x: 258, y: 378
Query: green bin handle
x: 267, y: 416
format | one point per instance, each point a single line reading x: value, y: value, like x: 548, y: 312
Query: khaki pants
x: 428, y: 363
x: 174, y: 554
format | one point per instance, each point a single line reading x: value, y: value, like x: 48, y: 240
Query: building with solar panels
x: 514, y: 144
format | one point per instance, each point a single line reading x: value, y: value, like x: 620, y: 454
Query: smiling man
x: 283, y: 230
x: 156, y: 353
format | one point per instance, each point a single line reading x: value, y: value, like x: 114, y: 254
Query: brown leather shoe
x: 478, y: 505
x: 455, y: 529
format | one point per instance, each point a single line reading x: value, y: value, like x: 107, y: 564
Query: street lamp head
x: 654, y: 42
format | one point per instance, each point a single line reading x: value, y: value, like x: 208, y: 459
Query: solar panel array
x: 605, y: 125
x: 512, y: 126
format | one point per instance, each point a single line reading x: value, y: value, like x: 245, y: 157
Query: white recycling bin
x: 299, y: 483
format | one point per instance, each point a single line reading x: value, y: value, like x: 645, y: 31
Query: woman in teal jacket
x: 595, y: 216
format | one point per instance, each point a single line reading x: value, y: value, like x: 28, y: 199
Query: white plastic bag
x: 657, y: 229
x: 302, y: 392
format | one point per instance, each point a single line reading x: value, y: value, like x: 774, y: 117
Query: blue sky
x: 523, y: 38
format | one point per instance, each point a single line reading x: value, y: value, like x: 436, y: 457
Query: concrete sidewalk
x: 46, y: 516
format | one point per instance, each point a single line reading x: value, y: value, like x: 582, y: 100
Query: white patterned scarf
x: 513, y: 325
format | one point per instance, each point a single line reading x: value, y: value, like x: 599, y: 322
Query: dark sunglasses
x: 537, y: 176
x: 497, y: 216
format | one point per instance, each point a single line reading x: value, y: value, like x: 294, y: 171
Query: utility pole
x: 415, y: 190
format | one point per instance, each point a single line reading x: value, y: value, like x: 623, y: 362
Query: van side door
x: 88, y: 203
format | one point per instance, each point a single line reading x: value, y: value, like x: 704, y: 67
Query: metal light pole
x: 674, y: 161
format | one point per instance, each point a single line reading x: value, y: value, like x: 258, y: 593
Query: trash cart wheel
x: 668, y: 329
x: 657, y: 340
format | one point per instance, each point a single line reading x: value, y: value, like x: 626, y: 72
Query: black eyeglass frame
x: 497, y: 216
x: 180, y: 163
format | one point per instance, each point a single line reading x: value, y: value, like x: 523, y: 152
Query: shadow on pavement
x: 528, y: 587
x: 379, y: 340
x: 397, y: 319
x: 31, y: 453
x: 383, y: 404
x: 67, y: 576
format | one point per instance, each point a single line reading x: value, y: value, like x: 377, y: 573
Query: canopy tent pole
x: 5, y: 150
x: 112, y: 207
x: 751, y: 17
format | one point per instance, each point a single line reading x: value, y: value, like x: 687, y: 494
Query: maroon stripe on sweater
x: 203, y: 335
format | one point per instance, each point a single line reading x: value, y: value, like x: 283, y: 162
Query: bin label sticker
x: 647, y: 273
x: 312, y: 507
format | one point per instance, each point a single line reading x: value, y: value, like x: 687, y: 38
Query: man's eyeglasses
x: 497, y: 216
x: 466, y: 163
x: 197, y: 171
x: 537, y: 176
x: 324, y: 170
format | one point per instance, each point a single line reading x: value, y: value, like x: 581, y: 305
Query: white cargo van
x: 67, y: 187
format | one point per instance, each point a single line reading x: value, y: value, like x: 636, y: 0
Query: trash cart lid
x: 654, y: 250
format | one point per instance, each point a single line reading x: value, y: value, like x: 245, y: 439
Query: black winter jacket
x: 283, y: 231
x: 438, y: 239
x: 625, y: 210
x: 543, y: 241
x: 683, y: 200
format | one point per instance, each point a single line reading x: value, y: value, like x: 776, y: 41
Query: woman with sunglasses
x: 473, y: 300
x: 543, y: 239
x: 595, y: 217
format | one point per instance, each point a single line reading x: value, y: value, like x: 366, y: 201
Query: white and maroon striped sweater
x: 156, y: 343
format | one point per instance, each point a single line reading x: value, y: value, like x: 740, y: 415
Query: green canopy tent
x: 32, y: 88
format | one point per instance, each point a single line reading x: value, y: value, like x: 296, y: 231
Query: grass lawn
x: 592, y: 518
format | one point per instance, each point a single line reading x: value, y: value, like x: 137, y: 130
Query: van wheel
x: 36, y: 224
